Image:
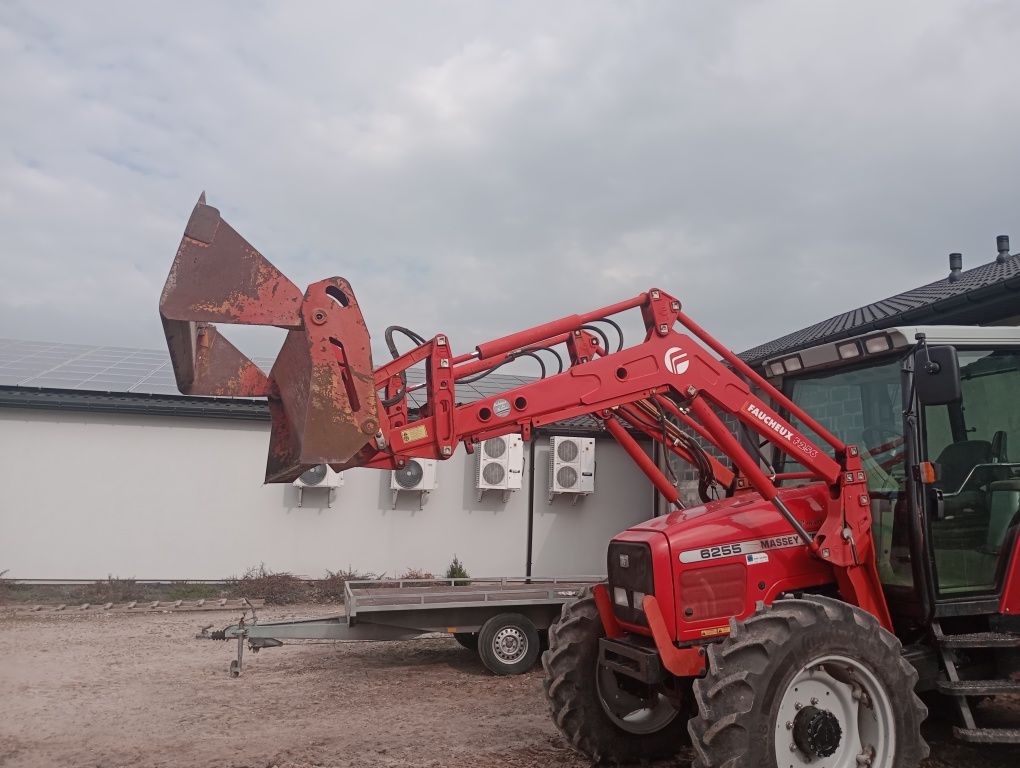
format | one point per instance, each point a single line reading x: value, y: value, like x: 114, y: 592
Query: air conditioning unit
x: 417, y: 475
x: 500, y: 465
x: 571, y: 466
x: 319, y: 476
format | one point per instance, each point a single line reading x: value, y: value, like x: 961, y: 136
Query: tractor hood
x: 743, y: 518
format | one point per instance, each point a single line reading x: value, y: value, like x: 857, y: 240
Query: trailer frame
x: 508, y: 611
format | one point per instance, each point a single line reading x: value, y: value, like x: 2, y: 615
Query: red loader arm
x: 330, y: 405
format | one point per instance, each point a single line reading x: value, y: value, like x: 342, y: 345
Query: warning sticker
x: 413, y: 434
x: 715, y: 631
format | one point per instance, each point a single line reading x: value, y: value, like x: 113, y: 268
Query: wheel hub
x: 510, y: 645
x: 834, y: 713
x: 816, y: 732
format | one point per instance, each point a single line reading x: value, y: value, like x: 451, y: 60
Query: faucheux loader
x: 857, y: 546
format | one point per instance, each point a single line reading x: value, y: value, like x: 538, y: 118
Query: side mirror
x: 937, y: 375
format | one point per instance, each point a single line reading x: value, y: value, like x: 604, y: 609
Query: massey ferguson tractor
x: 857, y: 545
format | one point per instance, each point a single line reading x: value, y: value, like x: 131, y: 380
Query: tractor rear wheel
x: 808, y: 682
x: 606, y: 716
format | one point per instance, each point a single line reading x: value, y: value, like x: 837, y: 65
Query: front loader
x: 830, y: 575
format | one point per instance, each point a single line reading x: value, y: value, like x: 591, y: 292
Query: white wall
x: 87, y: 495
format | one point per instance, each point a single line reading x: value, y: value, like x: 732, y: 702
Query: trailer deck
x: 503, y: 618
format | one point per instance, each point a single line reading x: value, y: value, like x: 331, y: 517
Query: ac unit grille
x: 493, y: 473
x: 409, y: 475
x: 566, y: 450
x: 313, y: 476
x: 494, y: 447
x: 566, y: 477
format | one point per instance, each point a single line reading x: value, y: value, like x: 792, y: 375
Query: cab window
x: 974, y: 442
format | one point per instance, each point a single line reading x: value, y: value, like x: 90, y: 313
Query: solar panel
x: 122, y: 369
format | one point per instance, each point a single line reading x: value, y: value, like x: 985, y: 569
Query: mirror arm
x: 930, y: 367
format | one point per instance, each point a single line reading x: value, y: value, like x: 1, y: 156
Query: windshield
x: 862, y: 407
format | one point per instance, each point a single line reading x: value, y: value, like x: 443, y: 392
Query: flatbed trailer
x: 503, y: 619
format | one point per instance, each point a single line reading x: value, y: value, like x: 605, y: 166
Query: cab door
x: 975, y: 445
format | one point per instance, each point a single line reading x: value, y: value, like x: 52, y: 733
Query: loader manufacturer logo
x: 774, y: 424
x: 676, y: 360
x: 781, y: 430
x: 742, y: 549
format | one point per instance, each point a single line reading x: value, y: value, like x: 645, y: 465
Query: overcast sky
x: 479, y: 167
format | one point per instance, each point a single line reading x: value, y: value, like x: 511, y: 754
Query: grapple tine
x: 218, y: 276
x: 205, y: 363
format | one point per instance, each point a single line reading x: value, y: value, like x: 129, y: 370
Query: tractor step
x: 978, y: 687
x: 988, y: 735
x: 982, y: 640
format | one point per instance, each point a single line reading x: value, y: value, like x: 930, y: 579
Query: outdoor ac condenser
x: 499, y: 465
x: 571, y: 466
x: 319, y: 476
x: 418, y: 475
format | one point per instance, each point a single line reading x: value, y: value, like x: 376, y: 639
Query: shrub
x: 275, y: 588
x: 456, y: 570
x: 331, y: 588
x: 411, y: 577
x: 113, y: 590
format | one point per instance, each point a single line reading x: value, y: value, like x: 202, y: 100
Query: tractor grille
x: 630, y: 574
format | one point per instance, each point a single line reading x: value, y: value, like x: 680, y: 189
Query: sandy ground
x: 104, y: 690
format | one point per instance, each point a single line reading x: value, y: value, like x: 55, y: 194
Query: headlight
x: 620, y: 596
x: 639, y: 599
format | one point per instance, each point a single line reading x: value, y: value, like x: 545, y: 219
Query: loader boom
x: 330, y: 405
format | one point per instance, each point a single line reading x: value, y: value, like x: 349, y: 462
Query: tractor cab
x: 935, y: 411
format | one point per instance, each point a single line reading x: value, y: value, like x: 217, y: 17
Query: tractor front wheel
x: 808, y: 683
x: 606, y: 716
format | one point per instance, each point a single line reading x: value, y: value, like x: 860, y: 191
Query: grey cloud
x: 476, y: 167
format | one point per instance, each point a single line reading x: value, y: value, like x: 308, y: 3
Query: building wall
x: 91, y: 495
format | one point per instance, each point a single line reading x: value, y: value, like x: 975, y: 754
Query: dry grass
x: 257, y: 583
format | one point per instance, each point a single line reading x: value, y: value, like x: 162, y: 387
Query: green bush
x: 457, y: 570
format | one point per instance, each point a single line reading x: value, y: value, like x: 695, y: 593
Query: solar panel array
x: 81, y: 367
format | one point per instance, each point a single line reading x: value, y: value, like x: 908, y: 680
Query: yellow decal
x: 414, y: 434
x: 715, y: 631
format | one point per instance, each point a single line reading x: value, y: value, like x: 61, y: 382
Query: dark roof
x: 982, y: 295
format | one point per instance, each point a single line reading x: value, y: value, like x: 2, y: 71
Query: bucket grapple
x: 321, y: 391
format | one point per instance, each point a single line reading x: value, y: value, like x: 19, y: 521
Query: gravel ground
x: 105, y: 690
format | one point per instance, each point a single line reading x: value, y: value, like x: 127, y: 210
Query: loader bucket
x: 321, y: 390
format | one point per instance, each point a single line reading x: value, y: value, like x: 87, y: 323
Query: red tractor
x: 841, y: 564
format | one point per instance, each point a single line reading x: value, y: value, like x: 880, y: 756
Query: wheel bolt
x: 793, y: 747
x: 814, y: 701
x: 789, y: 725
x: 798, y: 705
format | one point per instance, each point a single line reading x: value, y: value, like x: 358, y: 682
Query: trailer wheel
x: 508, y: 644
x: 467, y: 640
x: 603, y: 716
x: 808, y: 682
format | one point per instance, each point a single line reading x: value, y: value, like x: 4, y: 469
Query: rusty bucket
x: 321, y: 389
